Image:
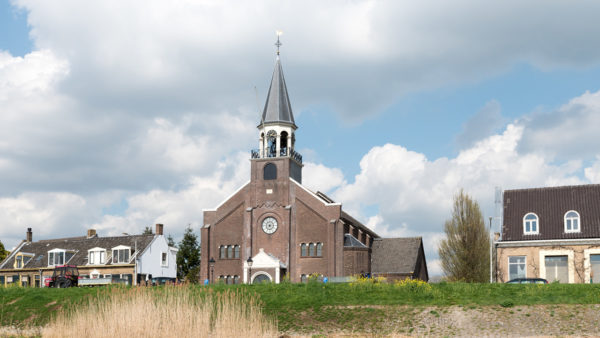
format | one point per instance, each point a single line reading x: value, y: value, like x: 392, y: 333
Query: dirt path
x: 468, y: 321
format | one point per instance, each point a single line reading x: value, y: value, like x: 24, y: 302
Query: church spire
x: 277, y: 107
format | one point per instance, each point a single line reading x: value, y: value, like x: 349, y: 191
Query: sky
x: 117, y: 115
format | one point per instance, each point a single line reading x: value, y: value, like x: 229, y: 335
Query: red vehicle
x: 64, y: 276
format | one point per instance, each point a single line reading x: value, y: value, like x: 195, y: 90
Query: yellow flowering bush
x: 413, y: 285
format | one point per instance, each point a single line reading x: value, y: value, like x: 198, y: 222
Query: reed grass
x: 172, y: 311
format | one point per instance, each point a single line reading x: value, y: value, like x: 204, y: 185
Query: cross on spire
x: 278, y: 43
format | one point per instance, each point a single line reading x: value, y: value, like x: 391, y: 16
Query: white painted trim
x: 537, y: 224
x: 578, y: 222
x: 559, y: 252
x: 228, y: 197
x: 263, y: 273
x: 313, y: 194
x: 508, y: 261
x: 587, y: 263
x: 571, y: 241
x: 12, y: 255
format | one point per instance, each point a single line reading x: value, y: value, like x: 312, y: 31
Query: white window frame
x: 115, y: 260
x: 537, y: 224
x: 587, y: 263
x: 101, y: 257
x: 164, y: 262
x: 509, y: 263
x: 578, y: 218
x: 54, y: 252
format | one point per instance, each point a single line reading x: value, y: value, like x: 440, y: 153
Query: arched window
x: 222, y: 251
x: 236, y: 251
x: 236, y: 279
x: 531, y: 224
x: 230, y: 251
x: 572, y: 223
x: 270, y: 171
x: 221, y: 279
x: 303, y: 278
x: 303, y: 252
x: 319, y: 249
x: 311, y: 249
x: 271, y: 150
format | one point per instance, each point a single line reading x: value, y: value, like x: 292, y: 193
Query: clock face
x: 269, y: 225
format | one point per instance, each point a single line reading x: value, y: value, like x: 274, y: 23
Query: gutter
x: 549, y: 242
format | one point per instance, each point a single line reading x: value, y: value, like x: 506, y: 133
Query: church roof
x: 278, y: 108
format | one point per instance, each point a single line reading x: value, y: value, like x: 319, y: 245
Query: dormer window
x: 21, y: 259
x: 531, y: 224
x: 56, y: 257
x: 120, y: 254
x: 572, y: 223
x: 96, y: 256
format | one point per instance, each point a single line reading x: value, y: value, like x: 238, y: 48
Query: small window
x: 303, y: 278
x: 531, y: 224
x: 164, y: 259
x: 230, y: 251
x: 311, y: 249
x: 236, y: 251
x: 56, y: 257
x: 121, y: 254
x: 222, y: 279
x: 19, y: 263
x: 319, y: 249
x: 572, y: 223
x: 303, y: 252
x: 236, y: 279
x: 222, y: 249
x: 516, y: 267
x: 270, y: 172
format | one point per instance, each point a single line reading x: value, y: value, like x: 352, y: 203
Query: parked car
x: 163, y: 280
x: 527, y: 281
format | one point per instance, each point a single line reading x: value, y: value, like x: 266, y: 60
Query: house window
x: 516, y: 267
x: 594, y: 268
x: 236, y: 279
x: 229, y: 251
x: 96, y: 256
x: 222, y: 249
x: 319, y: 249
x: 303, y: 252
x: 572, y: 221
x: 236, y: 251
x: 19, y: 260
x: 164, y: 259
x: 56, y: 257
x: 557, y: 268
x: 221, y: 279
x: 311, y: 249
x: 530, y: 224
x: 121, y: 255
x: 303, y: 278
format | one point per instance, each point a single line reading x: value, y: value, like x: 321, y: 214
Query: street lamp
x: 491, y: 244
x: 249, y: 262
x: 212, y: 269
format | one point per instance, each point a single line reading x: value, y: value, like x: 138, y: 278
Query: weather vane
x: 278, y: 43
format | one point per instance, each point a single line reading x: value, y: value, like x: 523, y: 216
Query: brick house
x: 126, y: 259
x: 551, y: 233
x: 273, y: 226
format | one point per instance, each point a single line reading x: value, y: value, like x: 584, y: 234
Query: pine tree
x: 3, y: 252
x: 464, y: 253
x: 188, y: 256
x: 147, y: 231
x: 171, y: 241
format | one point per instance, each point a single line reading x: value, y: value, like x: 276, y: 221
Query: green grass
x: 301, y: 307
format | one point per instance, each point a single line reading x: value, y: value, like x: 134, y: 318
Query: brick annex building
x: 273, y: 226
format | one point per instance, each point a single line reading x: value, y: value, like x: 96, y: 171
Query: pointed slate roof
x: 278, y: 108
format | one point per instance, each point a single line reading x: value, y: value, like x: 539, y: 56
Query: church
x: 273, y: 228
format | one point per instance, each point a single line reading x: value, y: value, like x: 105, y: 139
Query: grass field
x: 291, y: 305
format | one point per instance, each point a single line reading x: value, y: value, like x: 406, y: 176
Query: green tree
x: 464, y: 253
x: 147, y: 231
x: 188, y: 256
x: 3, y: 252
x: 171, y: 241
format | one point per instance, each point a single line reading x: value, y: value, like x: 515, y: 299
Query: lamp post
x: 249, y: 262
x: 491, y: 244
x: 212, y: 269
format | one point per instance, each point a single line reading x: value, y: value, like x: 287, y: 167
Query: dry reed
x: 174, y: 311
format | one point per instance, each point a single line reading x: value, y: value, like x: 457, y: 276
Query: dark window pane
x: 311, y: 249
x: 270, y: 171
x: 319, y: 249
x: 303, y: 250
x: 230, y: 251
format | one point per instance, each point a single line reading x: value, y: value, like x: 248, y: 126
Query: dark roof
x: 79, y: 245
x: 395, y: 255
x: 550, y: 205
x: 277, y: 107
x: 351, y: 242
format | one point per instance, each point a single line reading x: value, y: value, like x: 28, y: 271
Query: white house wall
x: 150, y: 261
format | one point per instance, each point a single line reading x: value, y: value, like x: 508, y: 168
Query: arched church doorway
x: 261, y: 278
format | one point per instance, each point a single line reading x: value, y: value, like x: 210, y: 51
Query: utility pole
x: 491, y: 244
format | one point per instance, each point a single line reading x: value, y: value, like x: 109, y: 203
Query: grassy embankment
x: 302, y: 307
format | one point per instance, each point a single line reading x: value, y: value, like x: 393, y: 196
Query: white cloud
x: 593, y: 173
x: 318, y: 177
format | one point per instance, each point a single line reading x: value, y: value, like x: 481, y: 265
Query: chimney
x: 496, y: 236
x: 29, y: 235
x: 91, y: 233
x: 159, y: 229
